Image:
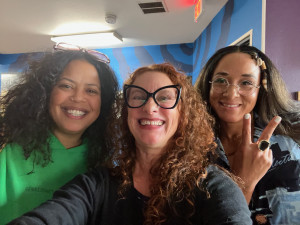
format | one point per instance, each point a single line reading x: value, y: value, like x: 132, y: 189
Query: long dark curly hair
x: 26, y: 121
x: 182, y: 166
x: 276, y: 100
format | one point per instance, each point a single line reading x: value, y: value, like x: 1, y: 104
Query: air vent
x: 152, y: 7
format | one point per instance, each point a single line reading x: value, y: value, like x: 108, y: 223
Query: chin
x: 231, y: 120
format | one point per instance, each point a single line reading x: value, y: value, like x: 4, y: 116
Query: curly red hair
x: 182, y: 165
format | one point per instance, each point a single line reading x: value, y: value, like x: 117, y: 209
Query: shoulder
x: 221, y: 200
x: 216, y: 178
x: 220, y: 186
x: 12, y: 150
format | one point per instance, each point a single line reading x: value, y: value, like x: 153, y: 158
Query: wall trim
x: 263, y: 26
x: 249, y: 33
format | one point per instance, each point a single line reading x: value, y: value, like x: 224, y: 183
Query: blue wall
x: 125, y: 60
x: 235, y: 19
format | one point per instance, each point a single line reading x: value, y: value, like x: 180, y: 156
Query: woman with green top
x: 53, y: 126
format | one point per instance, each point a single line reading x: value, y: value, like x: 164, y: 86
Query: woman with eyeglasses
x: 158, y: 172
x: 257, y: 128
x: 53, y: 126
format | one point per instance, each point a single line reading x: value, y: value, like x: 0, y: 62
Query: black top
x: 92, y: 199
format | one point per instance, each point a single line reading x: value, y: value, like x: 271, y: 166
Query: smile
x: 76, y: 112
x: 153, y: 123
x: 230, y: 106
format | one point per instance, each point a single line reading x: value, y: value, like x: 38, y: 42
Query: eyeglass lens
x: 220, y: 85
x: 165, y: 97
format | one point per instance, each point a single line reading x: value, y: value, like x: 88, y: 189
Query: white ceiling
x: 27, y: 25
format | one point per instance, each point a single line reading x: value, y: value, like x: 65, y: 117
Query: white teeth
x: 153, y: 123
x: 231, y: 105
x: 75, y: 112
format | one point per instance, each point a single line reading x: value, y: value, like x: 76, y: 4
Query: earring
x: 264, y: 76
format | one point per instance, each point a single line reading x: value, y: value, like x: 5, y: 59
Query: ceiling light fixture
x: 104, y: 39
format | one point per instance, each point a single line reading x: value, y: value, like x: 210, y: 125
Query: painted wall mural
x: 123, y: 60
x: 234, y: 20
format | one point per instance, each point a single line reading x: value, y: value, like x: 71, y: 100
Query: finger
x: 268, y: 131
x: 270, y: 156
x: 246, y: 138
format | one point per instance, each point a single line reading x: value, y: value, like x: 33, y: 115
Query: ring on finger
x: 263, y: 145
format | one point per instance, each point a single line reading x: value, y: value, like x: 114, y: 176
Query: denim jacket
x: 276, y: 198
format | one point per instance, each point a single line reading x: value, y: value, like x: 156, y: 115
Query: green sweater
x: 20, y: 191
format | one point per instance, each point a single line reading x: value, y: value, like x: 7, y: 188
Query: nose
x: 232, y: 90
x: 78, y: 95
x: 150, y: 106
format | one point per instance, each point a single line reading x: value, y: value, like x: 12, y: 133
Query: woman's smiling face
x: 151, y: 125
x: 231, y: 106
x: 75, y: 100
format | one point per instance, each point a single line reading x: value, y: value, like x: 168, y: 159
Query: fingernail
x: 278, y: 119
x: 247, y: 116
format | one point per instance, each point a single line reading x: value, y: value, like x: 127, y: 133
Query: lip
x: 230, y: 105
x: 154, y: 122
x: 74, y: 112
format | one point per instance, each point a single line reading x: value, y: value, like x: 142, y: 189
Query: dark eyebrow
x: 221, y: 74
x: 70, y: 80
x: 226, y: 74
x: 64, y: 78
x: 249, y: 75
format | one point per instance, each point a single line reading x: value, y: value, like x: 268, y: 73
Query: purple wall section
x: 283, y: 39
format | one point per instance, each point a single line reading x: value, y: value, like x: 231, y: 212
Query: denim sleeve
x: 223, y: 203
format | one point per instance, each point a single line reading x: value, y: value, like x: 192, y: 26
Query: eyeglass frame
x: 235, y: 85
x: 176, y: 86
x: 58, y: 46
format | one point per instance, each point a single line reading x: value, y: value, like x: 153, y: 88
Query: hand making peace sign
x: 251, y: 163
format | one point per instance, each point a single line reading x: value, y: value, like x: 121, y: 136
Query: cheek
x: 97, y: 103
x: 175, y: 115
x: 253, y: 99
x: 56, y: 96
x: 52, y: 102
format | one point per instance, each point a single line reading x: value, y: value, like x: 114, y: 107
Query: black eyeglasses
x: 65, y: 46
x: 245, y: 88
x: 165, y: 97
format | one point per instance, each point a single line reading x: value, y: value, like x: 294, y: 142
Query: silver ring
x: 263, y: 145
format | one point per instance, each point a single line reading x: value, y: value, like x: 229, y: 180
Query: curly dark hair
x: 182, y: 165
x: 26, y: 120
x: 275, y: 101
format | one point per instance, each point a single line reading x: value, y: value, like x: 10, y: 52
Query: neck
x: 146, y: 159
x: 142, y: 179
x: 231, y: 137
x: 230, y: 131
x: 68, y: 140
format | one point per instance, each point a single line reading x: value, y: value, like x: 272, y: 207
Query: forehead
x: 152, y: 80
x: 237, y: 64
x: 80, y: 69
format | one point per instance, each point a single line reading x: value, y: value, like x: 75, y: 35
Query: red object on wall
x: 186, y: 3
x: 198, y: 9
